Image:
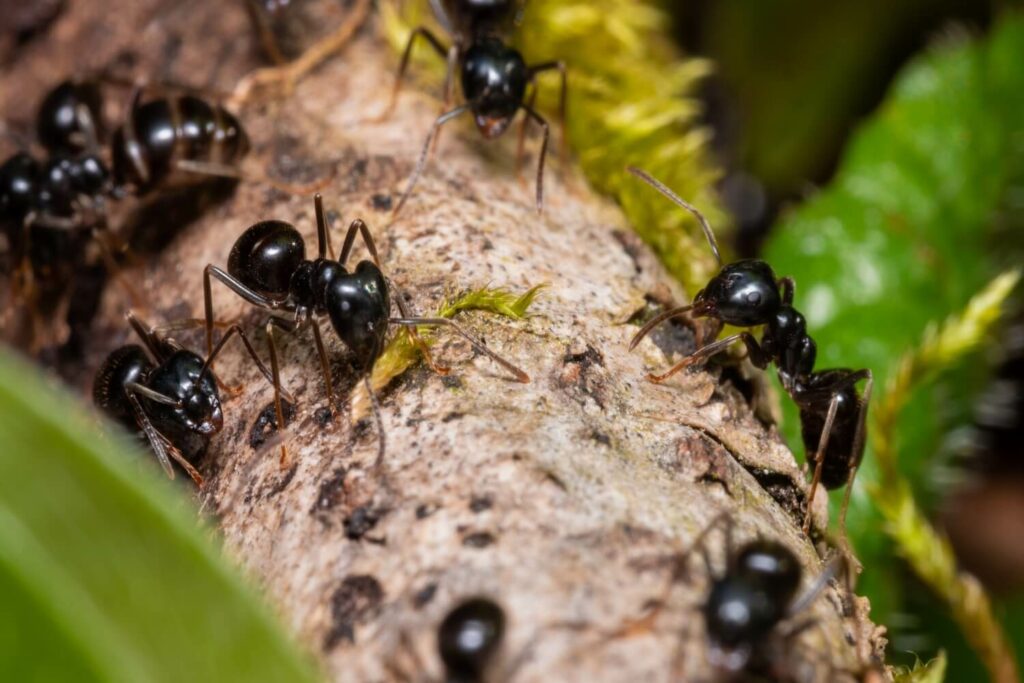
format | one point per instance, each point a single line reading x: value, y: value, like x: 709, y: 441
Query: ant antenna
x: 660, y: 187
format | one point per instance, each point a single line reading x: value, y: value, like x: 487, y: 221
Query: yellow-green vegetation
x: 400, y: 353
x: 924, y: 547
x: 923, y: 672
x: 630, y: 102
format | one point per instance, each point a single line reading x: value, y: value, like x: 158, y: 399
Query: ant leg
x: 237, y: 330
x: 857, y: 451
x: 477, y: 344
x: 655, y: 321
x: 325, y: 364
x: 835, y: 566
x: 236, y: 286
x: 323, y: 234
x: 819, y: 458
x: 157, y: 441
x: 414, y: 336
x: 521, y: 143
x: 425, y: 153
x: 788, y: 287
x: 403, y: 66
x: 350, y: 238
x: 757, y: 356
x: 148, y: 335
x: 562, y: 98
x: 543, y: 153
x: 278, y: 409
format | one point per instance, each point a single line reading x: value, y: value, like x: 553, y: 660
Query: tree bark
x: 563, y: 498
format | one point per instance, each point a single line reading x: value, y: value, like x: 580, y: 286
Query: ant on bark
x: 51, y: 209
x: 493, y: 75
x: 174, y: 401
x: 268, y: 268
x: 753, y: 608
x: 747, y: 293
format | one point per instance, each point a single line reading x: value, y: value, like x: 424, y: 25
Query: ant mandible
x: 746, y: 293
x: 494, y: 77
x: 268, y: 268
x: 174, y: 401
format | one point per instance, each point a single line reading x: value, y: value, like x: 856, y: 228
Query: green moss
x: 400, y: 353
x: 630, y: 102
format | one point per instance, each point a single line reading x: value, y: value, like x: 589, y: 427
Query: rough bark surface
x: 562, y: 498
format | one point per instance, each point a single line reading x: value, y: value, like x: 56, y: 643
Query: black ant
x: 494, y: 76
x: 268, y: 268
x: 751, y: 604
x: 175, y: 400
x: 747, y: 294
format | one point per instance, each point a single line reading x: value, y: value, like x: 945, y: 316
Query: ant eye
x: 754, y: 298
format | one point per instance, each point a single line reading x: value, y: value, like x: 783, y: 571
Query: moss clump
x: 400, y: 353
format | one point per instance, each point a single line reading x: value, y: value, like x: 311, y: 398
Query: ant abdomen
x: 70, y: 118
x: 171, y: 129
x: 125, y: 364
x: 266, y: 256
x: 839, y: 455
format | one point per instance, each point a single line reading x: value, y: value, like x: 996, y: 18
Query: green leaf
x: 105, y: 574
x: 924, y: 210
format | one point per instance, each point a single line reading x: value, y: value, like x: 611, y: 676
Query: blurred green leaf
x: 927, y: 206
x: 104, y: 572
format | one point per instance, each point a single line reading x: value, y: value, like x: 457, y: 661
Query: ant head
x: 70, y: 117
x: 182, y: 377
x: 744, y: 293
x: 359, y: 305
x: 19, y: 177
x: 266, y: 256
x: 469, y: 636
x: 494, y: 78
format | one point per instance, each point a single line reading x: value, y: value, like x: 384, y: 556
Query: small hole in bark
x: 354, y: 601
x: 479, y: 539
x: 424, y: 596
x: 266, y: 423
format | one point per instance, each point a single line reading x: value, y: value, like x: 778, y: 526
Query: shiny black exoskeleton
x: 182, y: 133
x: 169, y: 393
x: 269, y: 269
x: 493, y: 75
x: 749, y: 599
x: 747, y: 293
x: 468, y: 639
x: 70, y: 118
